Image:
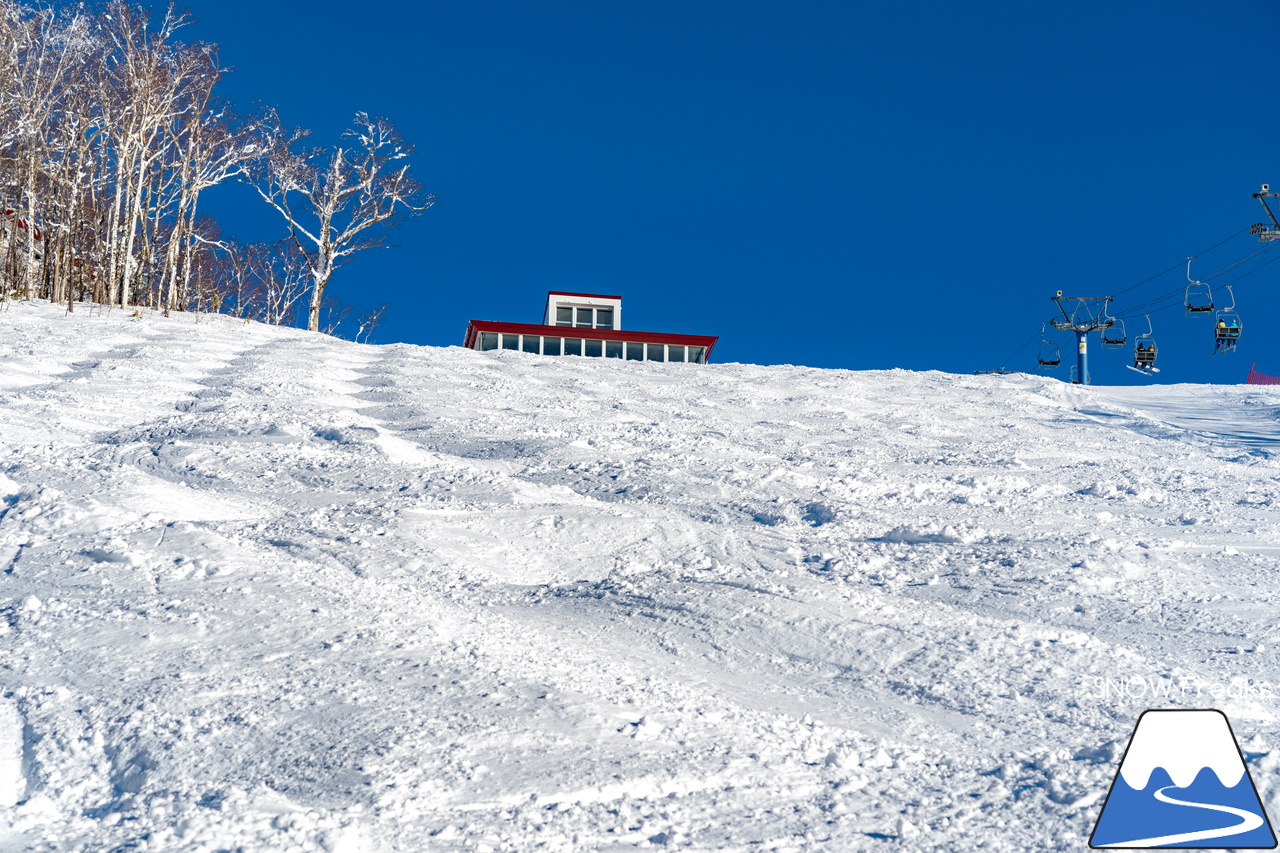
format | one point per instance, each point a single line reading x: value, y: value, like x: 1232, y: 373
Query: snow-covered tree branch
x: 334, y: 201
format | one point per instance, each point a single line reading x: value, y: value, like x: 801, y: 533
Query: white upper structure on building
x: 583, y: 310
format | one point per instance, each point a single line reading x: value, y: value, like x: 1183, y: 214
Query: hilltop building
x: 588, y: 325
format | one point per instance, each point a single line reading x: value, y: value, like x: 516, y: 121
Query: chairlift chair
x: 1144, y: 351
x: 1198, y: 297
x: 1226, y: 327
x: 1050, y: 354
x: 1115, y: 336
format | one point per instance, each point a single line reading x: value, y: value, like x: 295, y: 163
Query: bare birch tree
x: 332, y: 201
x: 111, y: 131
x: 264, y: 282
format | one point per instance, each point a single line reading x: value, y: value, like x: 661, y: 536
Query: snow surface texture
x: 264, y: 590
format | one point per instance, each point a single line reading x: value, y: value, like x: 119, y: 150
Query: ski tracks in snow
x: 287, y: 592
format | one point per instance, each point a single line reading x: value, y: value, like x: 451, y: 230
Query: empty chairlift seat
x: 587, y: 325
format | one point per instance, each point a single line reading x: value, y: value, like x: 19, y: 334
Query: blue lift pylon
x: 1082, y: 315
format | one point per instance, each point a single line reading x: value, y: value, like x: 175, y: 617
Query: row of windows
x: 582, y: 317
x: 630, y: 350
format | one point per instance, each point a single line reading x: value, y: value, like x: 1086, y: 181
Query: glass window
x: 510, y: 341
x: 604, y: 318
x: 573, y: 346
x: 584, y: 318
x: 551, y: 346
x: 675, y: 353
x: 488, y: 340
x: 613, y: 349
x: 696, y: 354
x: 635, y: 352
x: 655, y: 352
x: 532, y: 343
x: 595, y: 349
x: 564, y: 315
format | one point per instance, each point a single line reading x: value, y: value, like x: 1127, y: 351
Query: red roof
x: 476, y: 326
x: 586, y: 295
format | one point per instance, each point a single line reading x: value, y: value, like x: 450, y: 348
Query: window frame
x: 594, y: 311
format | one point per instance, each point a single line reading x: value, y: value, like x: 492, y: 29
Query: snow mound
x: 12, y: 783
x: 930, y: 534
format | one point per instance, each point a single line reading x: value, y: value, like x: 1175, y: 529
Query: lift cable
x: 1180, y: 264
x: 1224, y: 270
x: 1034, y: 335
x: 1177, y: 304
x: 1158, y: 310
x: 1251, y: 272
x: 1139, y: 309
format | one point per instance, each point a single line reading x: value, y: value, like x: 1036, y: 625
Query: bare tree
x: 263, y: 282
x: 332, y: 315
x: 40, y: 54
x: 111, y: 130
x: 215, y: 147
x: 331, y: 200
x: 369, y: 321
x: 284, y: 282
x: 145, y: 94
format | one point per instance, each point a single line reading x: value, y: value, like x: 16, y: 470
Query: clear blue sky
x: 856, y: 185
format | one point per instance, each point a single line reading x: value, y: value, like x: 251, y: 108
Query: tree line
x: 111, y: 131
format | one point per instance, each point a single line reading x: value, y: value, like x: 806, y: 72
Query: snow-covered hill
x: 264, y: 590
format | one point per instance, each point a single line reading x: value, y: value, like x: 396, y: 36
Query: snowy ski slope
x: 264, y: 590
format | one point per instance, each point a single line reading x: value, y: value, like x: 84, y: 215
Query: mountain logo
x: 1183, y: 784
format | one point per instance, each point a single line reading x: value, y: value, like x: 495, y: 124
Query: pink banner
x: 1256, y: 378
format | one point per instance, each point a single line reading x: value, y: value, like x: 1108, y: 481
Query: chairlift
x: 1226, y: 327
x: 1144, y: 351
x: 1198, y: 298
x: 1050, y: 355
x: 1114, y: 336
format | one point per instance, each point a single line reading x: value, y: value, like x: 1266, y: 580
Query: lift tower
x: 1082, y: 315
x: 1266, y: 234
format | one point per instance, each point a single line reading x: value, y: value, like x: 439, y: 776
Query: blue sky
x: 850, y: 185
